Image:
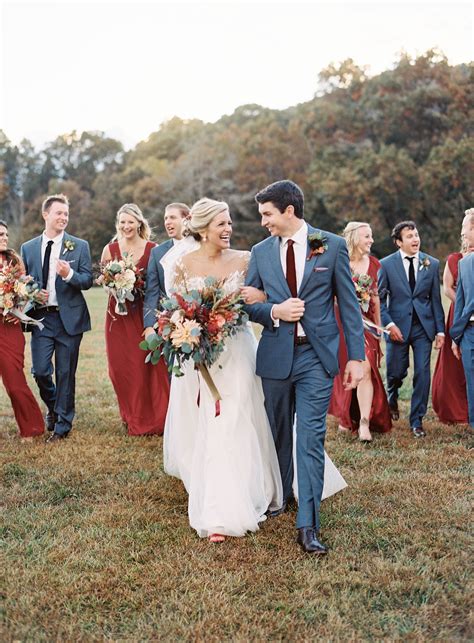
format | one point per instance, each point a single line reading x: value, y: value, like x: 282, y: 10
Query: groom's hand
x: 290, y: 310
x: 353, y: 375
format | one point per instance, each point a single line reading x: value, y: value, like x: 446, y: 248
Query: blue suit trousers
x: 467, y: 349
x: 397, y: 367
x: 59, y: 397
x: 307, y: 392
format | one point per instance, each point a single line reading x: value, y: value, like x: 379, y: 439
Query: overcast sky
x: 126, y: 67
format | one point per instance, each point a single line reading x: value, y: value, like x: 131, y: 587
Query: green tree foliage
x: 379, y: 149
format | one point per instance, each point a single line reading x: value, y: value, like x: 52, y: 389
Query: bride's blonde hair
x: 351, y: 235
x: 201, y: 215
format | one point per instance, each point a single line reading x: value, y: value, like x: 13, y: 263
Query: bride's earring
x: 204, y: 239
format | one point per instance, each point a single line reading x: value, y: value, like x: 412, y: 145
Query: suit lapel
x: 309, y: 262
x: 275, y: 265
x: 398, y: 261
x: 37, y: 261
x: 420, y: 277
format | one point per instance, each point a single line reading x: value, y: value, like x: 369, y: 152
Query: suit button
x: 291, y: 332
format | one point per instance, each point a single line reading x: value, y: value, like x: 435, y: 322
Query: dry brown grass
x: 96, y: 542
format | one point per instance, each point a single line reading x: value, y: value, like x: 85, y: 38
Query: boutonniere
x: 317, y: 244
x: 69, y: 245
x: 424, y: 263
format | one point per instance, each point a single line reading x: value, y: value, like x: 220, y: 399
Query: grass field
x: 96, y: 542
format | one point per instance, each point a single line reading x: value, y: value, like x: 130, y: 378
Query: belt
x: 48, y: 309
x: 302, y: 339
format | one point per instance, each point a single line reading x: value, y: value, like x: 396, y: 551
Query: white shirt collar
x: 404, y: 254
x: 300, y: 236
x: 55, y: 240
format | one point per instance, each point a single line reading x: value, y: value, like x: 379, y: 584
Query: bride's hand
x: 252, y: 295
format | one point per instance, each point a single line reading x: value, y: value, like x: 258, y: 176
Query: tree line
x: 379, y: 149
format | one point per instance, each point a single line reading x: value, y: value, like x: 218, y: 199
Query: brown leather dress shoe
x: 308, y: 542
x: 56, y: 437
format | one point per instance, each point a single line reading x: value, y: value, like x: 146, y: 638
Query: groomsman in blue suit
x: 62, y: 263
x: 462, y: 330
x: 301, y: 269
x: 175, y: 215
x: 411, y: 309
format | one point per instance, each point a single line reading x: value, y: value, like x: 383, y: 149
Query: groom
x: 301, y: 270
x: 62, y: 263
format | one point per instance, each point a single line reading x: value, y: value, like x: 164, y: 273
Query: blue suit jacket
x: 325, y: 276
x: 397, y: 301
x: 464, y: 305
x: 72, y: 305
x: 155, y: 283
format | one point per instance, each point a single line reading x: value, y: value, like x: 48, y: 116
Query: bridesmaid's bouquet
x: 363, y: 286
x: 18, y: 293
x: 194, y: 325
x: 121, y: 279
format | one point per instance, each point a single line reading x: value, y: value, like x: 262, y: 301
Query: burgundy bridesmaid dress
x: 448, y: 394
x: 12, y: 361
x: 343, y: 404
x: 142, y: 389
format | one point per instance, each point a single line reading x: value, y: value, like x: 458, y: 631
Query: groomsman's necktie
x: 47, y: 255
x: 411, y: 273
x: 291, y: 275
x: 291, y: 268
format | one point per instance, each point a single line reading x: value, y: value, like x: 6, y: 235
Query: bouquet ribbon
x: 371, y: 327
x: 25, y: 319
x: 206, y: 376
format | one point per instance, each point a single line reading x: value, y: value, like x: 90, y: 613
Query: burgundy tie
x: 291, y: 268
x: 291, y: 275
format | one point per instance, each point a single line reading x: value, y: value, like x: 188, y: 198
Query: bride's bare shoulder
x: 239, y: 258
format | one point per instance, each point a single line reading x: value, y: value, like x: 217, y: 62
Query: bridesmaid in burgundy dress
x: 12, y: 357
x: 142, y: 389
x: 365, y: 409
x: 449, y: 384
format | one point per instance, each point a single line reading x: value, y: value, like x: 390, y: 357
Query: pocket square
x: 320, y: 269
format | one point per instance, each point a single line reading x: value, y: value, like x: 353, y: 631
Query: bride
x: 227, y: 463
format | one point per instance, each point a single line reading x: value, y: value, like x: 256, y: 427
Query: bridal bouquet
x: 363, y: 287
x: 123, y: 280
x: 194, y: 326
x: 18, y: 293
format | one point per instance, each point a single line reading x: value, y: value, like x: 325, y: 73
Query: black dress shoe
x: 55, y: 437
x: 277, y: 512
x: 418, y: 432
x: 308, y: 542
x: 394, y: 412
x: 51, y: 419
x: 283, y: 508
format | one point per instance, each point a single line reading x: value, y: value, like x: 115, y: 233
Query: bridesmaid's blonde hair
x: 144, y: 230
x: 202, y: 213
x: 351, y: 235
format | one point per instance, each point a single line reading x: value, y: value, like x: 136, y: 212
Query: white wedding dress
x: 228, y: 464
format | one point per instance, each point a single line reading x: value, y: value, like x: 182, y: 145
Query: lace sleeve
x: 179, y: 277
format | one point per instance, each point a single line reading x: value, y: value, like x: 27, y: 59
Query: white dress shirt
x: 406, y: 263
x: 300, y: 248
x: 53, y: 259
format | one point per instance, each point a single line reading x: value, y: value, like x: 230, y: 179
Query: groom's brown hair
x: 282, y: 194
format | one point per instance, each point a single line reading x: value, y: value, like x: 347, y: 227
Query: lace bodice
x: 183, y: 281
